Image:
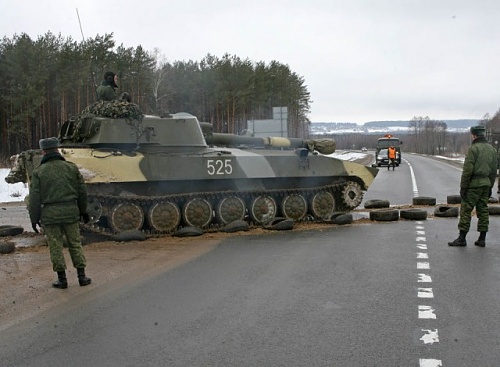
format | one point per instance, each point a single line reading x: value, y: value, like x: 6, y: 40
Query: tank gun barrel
x: 324, y: 146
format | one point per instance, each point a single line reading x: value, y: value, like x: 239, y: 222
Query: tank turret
x: 157, y: 174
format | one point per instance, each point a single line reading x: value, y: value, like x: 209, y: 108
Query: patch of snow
x: 11, y: 192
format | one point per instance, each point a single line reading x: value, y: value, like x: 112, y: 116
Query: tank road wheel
x: 126, y: 217
x: 322, y: 205
x: 198, y: 213
x: 294, y: 207
x: 94, y: 209
x: 230, y: 209
x: 351, y: 195
x: 263, y: 209
x: 164, y: 217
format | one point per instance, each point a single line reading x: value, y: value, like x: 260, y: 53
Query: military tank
x: 158, y: 174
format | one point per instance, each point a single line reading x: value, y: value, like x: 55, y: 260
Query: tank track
x: 336, y: 189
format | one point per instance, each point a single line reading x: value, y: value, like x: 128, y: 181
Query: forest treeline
x: 45, y: 81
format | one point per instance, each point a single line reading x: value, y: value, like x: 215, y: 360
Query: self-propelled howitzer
x: 157, y: 174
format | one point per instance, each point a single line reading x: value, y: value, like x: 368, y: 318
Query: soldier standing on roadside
x: 478, y: 177
x: 57, y: 201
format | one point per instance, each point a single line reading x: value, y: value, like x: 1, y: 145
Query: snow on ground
x: 11, y: 192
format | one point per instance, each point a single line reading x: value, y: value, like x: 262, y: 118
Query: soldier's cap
x: 49, y: 143
x: 478, y: 130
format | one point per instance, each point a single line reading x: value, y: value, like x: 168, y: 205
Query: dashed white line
x: 425, y: 293
x: 423, y: 265
x: 430, y: 363
x: 426, y: 312
x: 424, y: 278
x: 430, y: 336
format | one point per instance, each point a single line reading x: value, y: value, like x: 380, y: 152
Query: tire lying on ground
x: 7, y: 247
x: 453, y: 199
x: 424, y: 200
x: 9, y: 230
x: 341, y: 218
x: 280, y: 224
x: 384, y: 215
x: 413, y: 214
x: 236, y: 226
x: 494, y: 209
x: 188, y: 232
x: 446, y: 211
x: 376, y: 204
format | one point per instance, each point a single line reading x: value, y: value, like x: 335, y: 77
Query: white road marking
x: 420, y: 239
x: 424, y: 278
x: 430, y: 336
x: 422, y: 255
x: 426, y: 312
x: 413, y: 180
x: 422, y: 246
x: 425, y: 293
x: 430, y: 362
x: 422, y: 233
x: 423, y: 265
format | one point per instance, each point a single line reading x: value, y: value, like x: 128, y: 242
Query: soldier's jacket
x: 105, y: 92
x: 57, y: 193
x: 480, y: 165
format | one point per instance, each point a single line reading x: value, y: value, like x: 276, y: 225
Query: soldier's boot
x: 61, y: 282
x: 82, y: 279
x: 460, y: 241
x: 481, y: 241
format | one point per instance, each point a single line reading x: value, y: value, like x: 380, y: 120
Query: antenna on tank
x: 83, y: 37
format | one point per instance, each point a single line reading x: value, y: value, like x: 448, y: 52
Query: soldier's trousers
x: 476, y: 197
x: 56, y: 235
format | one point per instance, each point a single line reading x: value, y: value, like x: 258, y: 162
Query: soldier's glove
x: 85, y: 218
x: 33, y: 225
x: 463, y: 193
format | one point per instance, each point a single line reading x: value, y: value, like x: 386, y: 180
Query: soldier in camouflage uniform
x: 478, y: 177
x: 57, y: 201
x: 107, y: 90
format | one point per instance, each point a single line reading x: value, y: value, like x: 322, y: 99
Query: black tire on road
x: 7, y: 247
x: 413, y: 214
x: 189, y: 231
x: 235, y: 226
x: 424, y: 200
x: 453, y: 199
x: 10, y: 230
x: 445, y: 211
x: 344, y: 218
x: 494, y: 209
x: 377, y: 204
x: 385, y: 215
x: 280, y: 224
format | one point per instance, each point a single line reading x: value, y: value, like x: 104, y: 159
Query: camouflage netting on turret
x: 115, y: 109
x: 324, y: 146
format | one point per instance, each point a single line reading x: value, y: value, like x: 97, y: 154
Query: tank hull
x: 156, y: 185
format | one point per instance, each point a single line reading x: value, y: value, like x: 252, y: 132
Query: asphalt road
x: 376, y: 294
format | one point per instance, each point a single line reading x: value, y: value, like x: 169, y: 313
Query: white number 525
x: 219, y: 167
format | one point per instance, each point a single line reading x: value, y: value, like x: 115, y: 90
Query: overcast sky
x: 362, y: 60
